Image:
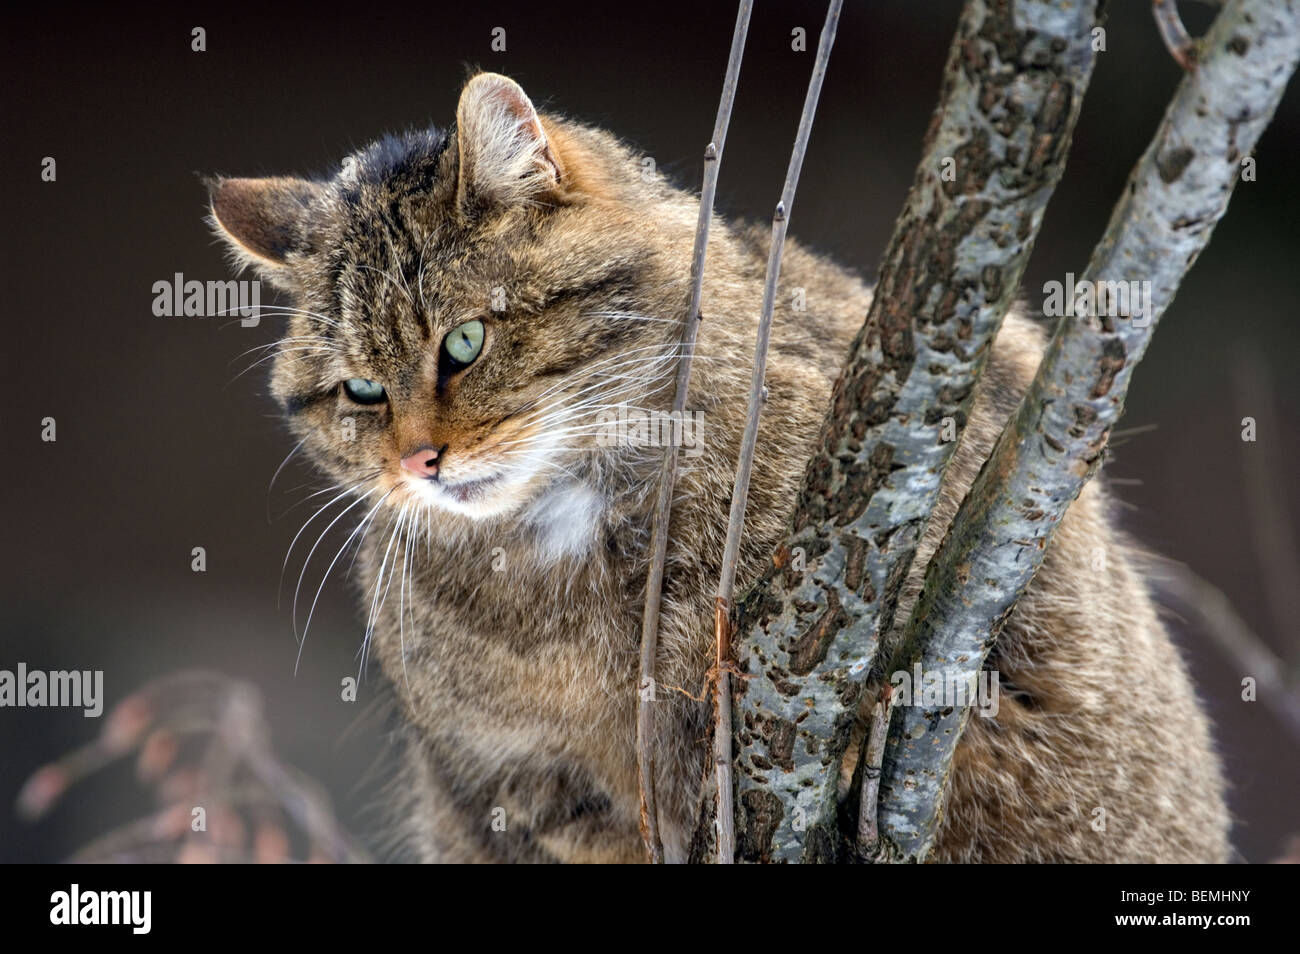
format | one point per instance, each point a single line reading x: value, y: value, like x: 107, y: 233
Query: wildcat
x: 470, y: 307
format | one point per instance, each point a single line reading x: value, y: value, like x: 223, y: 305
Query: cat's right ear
x: 262, y: 221
x: 505, y: 155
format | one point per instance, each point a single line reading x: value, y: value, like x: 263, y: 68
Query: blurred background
x: 161, y: 448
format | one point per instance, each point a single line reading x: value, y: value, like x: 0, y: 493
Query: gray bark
x: 1054, y: 444
x: 1014, y: 82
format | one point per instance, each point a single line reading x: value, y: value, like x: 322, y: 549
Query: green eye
x: 463, y: 343
x: 364, y: 391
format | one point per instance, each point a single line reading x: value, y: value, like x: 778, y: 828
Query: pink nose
x: 422, y: 463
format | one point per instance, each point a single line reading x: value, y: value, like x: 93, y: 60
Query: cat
x: 470, y: 308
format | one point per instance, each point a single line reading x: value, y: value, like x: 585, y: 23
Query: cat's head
x: 468, y: 306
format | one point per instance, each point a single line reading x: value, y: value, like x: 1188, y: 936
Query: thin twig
x: 1177, y: 40
x: 1055, y: 441
x: 1271, y: 527
x: 238, y: 778
x: 1217, y: 618
x: 645, y: 716
x: 725, y: 819
x: 878, y: 732
x: 726, y: 851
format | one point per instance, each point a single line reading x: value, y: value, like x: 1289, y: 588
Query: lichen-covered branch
x: 808, y: 631
x: 1053, y: 445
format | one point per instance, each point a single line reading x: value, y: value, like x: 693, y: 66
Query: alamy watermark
x: 77, y: 688
x: 935, y: 688
x: 76, y: 907
x: 1101, y: 299
x: 625, y: 426
x: 179, y: 298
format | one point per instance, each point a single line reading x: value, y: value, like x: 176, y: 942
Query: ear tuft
x: 505, y: 156
x: 262, y: 220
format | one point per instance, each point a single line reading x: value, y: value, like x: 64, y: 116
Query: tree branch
x: 994, y: 152
x: 646, y: 687
x: 1054, y: 443
x: 1176, y: 39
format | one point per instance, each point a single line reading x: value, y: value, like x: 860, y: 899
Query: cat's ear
x: 262, y: 220
x: 505, y: 156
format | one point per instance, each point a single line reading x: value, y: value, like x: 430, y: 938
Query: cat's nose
x: 423, y: 462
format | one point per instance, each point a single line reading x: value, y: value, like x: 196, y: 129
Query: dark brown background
x: 159, y: 450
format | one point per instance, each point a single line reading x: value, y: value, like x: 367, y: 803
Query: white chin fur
x: 496, y: 500
x: 565, y: 515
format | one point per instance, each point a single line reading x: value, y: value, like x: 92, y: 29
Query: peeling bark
x: 1054, y: 444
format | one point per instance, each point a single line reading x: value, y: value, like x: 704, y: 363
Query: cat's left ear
x: 263, y: 221
x: 505, y: 156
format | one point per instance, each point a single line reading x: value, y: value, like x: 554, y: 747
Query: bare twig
x: 723, y: 788
x: 1271, y: 527
x: 238, y: 780
x: 1054, y: 443
x: 1215, y: 616
x: 808, y: 634
x: 1177, y: 40
x: 645, y: 715
x: 726, y: 847
x: 877, y: 733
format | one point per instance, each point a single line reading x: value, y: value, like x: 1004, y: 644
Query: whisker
x: 292, y: 339
x: 419, y: 272
x: 390, y: 278
x: 402, y: 605
x: 328, y: 570
x: 277, y: 474
x: 282, y: 311
x: 303, y: 528
x: 631, y: 316
x: 312, y: 551
x: 377, y: 604
x: 269, y: 357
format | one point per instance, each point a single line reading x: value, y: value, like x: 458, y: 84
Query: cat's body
x: 505, y: 562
